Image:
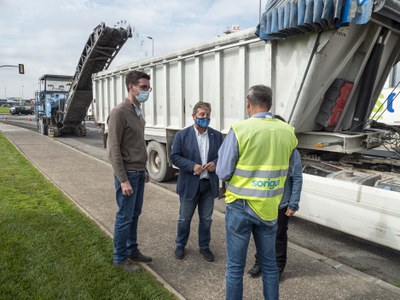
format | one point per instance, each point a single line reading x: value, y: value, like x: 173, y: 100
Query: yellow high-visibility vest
x: 265, y: 146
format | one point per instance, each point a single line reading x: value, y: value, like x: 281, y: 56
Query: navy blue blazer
x: 185, y: 154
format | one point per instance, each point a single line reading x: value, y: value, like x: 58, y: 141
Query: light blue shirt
x: 137, y: 109
x: 203, y: 143
x: 228, y: 157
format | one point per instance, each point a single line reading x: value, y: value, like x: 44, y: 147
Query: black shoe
x: 127, y: 265
x: 255, y: 271
x: 138, y: 256
x: 179, y: 252
x: 207, y: 254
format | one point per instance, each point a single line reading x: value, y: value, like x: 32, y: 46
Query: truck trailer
x: 326, y: 73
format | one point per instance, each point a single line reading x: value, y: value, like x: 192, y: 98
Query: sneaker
x: 207, y: 254
x: 255, y: 271
x: 139, y: 257
x: 179, y: 252
x: 127, y: 265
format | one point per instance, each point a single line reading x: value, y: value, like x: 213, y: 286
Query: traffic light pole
x: 21, y: 68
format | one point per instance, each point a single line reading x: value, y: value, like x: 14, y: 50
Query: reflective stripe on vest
x: 259, y: 173
x: 265, y: 147
x: 255, y: 193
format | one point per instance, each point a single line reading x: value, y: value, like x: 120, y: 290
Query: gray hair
x: 260, y: 95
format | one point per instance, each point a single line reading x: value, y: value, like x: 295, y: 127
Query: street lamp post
x: 152, y: 44
x: 22, y: 95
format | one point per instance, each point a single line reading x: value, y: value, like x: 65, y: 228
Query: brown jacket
x: 126, y: 147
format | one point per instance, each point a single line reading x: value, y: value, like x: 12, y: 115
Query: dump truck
x: 62, y: 101
x: 327, y: 67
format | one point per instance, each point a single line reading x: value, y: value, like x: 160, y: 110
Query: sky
x: 48, y: 36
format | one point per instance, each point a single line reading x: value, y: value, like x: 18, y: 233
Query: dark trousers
x: 281, y: 240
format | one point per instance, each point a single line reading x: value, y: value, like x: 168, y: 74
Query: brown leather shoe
x: 127, y: 265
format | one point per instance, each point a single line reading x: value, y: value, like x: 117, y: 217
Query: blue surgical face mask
x: 203, y: 122
x: 143, y: 96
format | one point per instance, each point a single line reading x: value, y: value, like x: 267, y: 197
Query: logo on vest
x: 270, y: 184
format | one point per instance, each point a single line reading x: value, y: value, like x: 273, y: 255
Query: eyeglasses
x: 144, y: 88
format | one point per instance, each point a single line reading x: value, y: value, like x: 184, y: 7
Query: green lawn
x: 49, y: 249
x: 4, y: 110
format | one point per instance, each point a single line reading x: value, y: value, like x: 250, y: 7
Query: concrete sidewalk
x: 89, y: 183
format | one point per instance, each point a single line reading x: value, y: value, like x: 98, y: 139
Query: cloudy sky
x: 48, y: 36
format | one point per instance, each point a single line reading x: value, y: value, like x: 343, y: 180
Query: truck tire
x: 53, y: 131
x: 157, y: 164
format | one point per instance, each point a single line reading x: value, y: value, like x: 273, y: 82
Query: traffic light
x: 21, y: 69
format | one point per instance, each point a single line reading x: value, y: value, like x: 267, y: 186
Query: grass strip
x: 4, y: 110
x: 49, y: 249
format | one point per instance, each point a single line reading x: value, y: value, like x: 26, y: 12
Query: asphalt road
x: 372, y: 259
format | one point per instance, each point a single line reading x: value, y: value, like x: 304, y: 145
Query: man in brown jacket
x: 128, y: 156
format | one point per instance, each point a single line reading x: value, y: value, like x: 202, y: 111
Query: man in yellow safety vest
x: 254, y: 160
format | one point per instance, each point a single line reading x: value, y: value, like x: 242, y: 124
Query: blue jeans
x: 127, y: 217
x: 204, y: 199
x: 239, y: 226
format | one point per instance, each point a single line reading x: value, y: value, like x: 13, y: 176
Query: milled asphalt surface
x: 88, y: 182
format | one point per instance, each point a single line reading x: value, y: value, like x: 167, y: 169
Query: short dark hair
x: 133, y: 77
x: 260, y: 95
x: 203, y: 105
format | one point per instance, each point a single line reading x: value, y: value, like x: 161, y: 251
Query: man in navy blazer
x: 195, y: 153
